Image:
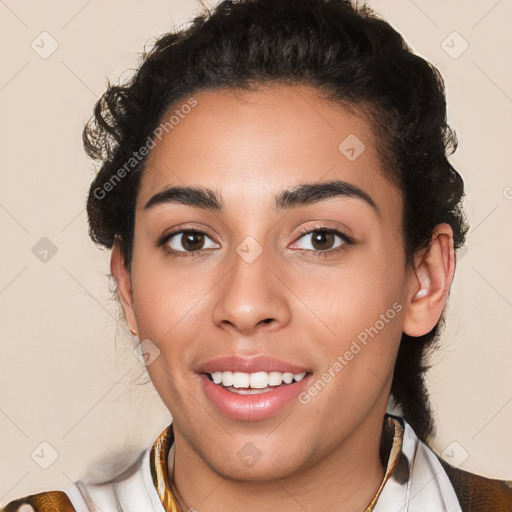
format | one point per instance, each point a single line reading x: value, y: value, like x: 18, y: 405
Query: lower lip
x: 252, y: 407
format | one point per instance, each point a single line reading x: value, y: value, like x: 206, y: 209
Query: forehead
x: 250, y: 144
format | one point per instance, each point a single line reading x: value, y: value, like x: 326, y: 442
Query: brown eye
x: 192, y: 241
x: 189, y: 241
x: 322, y: 240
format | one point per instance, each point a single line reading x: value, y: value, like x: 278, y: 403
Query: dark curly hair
x: 350, y: 56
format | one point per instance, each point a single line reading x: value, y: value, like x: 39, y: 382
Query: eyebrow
x: 298, y: 195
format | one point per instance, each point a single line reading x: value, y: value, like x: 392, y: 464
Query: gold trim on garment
x: 159, y: 470
x: 394, y: 457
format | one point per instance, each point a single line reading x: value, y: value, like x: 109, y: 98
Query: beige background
x: 68, y: 375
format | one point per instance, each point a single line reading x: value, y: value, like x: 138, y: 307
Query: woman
x: 283, y: 220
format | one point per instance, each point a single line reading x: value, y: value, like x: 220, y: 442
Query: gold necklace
x: 179, y: 500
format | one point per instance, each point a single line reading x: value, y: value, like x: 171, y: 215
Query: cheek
x: 363, y: 289
x: 359, y: 358
x: 363, y: 309
x: 170, y: 303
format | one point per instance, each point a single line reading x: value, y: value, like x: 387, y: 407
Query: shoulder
x: 133, y: 490
x: 51, y: 501
x: 477, y: 493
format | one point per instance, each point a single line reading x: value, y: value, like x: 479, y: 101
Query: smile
x: 240, y: 382
x: 239, y: 400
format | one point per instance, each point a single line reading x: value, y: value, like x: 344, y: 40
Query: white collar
x: 428, y: 487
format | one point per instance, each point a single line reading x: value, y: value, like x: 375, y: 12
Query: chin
x: 265, y: 470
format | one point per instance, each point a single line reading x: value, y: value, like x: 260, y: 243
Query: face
x: 268, y: 281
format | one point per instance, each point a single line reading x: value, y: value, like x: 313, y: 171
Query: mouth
x: 253, y: 396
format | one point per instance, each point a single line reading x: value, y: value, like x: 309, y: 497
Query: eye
x: 322, y: 240
x: 187, y: 241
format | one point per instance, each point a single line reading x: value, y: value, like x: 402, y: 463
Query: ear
x: 430, y: 283
x: 124, y: 286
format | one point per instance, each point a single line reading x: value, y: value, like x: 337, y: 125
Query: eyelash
x: 201, y: 252
x: 323, y: 254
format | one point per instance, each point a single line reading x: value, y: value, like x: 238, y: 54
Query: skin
x: 249, y: 147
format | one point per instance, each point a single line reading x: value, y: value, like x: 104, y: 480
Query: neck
x: 350, y: 475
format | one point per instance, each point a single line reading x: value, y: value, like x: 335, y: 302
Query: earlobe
x: 124, y: 287
x: 430, y: 283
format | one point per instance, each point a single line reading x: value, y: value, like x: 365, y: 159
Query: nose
x: 252, y: 296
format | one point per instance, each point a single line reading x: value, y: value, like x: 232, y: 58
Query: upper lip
x: 260, y: 363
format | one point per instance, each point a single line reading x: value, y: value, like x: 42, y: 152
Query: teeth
x: 275, y: 378
x: 240, y: 380
x: 258, y: 380
x: 217, y: 377
x: 287, y: 377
